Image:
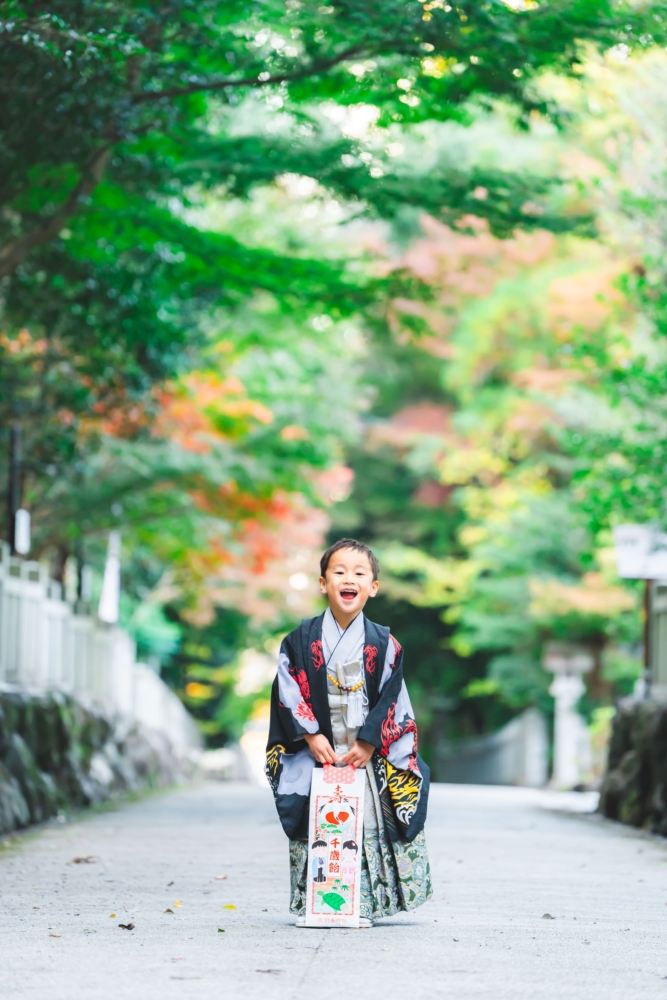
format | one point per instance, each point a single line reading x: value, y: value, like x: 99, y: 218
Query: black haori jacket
x: 300, y: 705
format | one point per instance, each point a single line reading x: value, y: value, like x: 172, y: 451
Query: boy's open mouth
x: 348, y: 595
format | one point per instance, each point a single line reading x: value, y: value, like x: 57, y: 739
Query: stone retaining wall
x: 56, y: 754
x: 634, y: 789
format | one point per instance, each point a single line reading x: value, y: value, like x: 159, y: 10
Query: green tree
x: 119, y: 93
x: 124, y: 129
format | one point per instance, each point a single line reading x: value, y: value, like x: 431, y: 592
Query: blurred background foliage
x: 276, y: 272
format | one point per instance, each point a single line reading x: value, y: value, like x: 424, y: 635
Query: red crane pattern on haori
x: 301, y: 678
x: 303, y: 710
x: 391, y: 731
x: 370, y: 659
x: 317, y: 654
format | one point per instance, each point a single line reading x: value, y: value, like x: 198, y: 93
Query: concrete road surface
x: 502, y: 860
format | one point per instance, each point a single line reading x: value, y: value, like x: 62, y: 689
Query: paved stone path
x: 500, y: 859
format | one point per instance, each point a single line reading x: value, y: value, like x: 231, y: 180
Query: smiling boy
x: 340, y: 697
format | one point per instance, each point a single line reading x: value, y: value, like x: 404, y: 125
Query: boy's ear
x: 323, y: 585
x: 375, y: 588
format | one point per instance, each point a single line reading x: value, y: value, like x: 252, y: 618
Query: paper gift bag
x: 335, y: 837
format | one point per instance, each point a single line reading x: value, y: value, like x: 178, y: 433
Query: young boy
x: 339, y: 696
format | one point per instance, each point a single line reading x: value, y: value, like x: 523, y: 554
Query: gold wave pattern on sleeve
x: 404, y: 789
x: 273, y: 757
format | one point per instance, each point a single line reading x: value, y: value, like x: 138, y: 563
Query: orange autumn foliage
x: 251, y: 571
x: 460, y: 266
x: 206, y: 407
x: 503, y: 314
x: 593, y: 595
x: 23, y: 343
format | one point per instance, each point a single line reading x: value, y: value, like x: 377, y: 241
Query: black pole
x: 79, y: 571
x: 14, y: 481
x: 648, y: 674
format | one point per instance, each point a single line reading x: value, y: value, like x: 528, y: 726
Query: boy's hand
x: 360, y: 754
x: 320, y: 748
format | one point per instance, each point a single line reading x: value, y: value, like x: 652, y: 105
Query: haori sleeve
x: 291, y: 696
x: 391, y: 727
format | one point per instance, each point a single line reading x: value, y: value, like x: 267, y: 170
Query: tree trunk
x: 15, y: 252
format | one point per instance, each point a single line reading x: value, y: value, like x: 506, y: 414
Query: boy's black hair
x: 350, y: 543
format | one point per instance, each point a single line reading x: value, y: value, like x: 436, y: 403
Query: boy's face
x: 348, y: 583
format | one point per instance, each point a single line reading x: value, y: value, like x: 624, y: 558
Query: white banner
x: 641, y: 552
x: 109, y: 606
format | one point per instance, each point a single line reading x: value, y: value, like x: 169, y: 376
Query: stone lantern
x: 568, y: 663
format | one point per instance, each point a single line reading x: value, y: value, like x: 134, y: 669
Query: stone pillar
x: 571, y: 743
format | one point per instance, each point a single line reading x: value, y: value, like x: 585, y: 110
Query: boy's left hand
x: 360, y: 753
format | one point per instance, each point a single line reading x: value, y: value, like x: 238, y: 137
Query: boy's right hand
x: 320, y: 748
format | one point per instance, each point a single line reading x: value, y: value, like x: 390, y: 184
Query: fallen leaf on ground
x: 221, y: 930
x: 54, y: 935
x: 88, y: 860
x: 127, y: 927
x: 229, y: 906
x: 169, y: 883
x: 220, y: 878
x: 455, y: 939
x: 547, y: 916
x: 168, y: 910
x: 112, y: 915
x: 177, y: 903
x: 275, y: 972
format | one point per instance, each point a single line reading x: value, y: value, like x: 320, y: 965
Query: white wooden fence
x: 45, y: 646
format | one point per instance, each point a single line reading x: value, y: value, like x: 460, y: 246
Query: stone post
x: 571, y: 744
